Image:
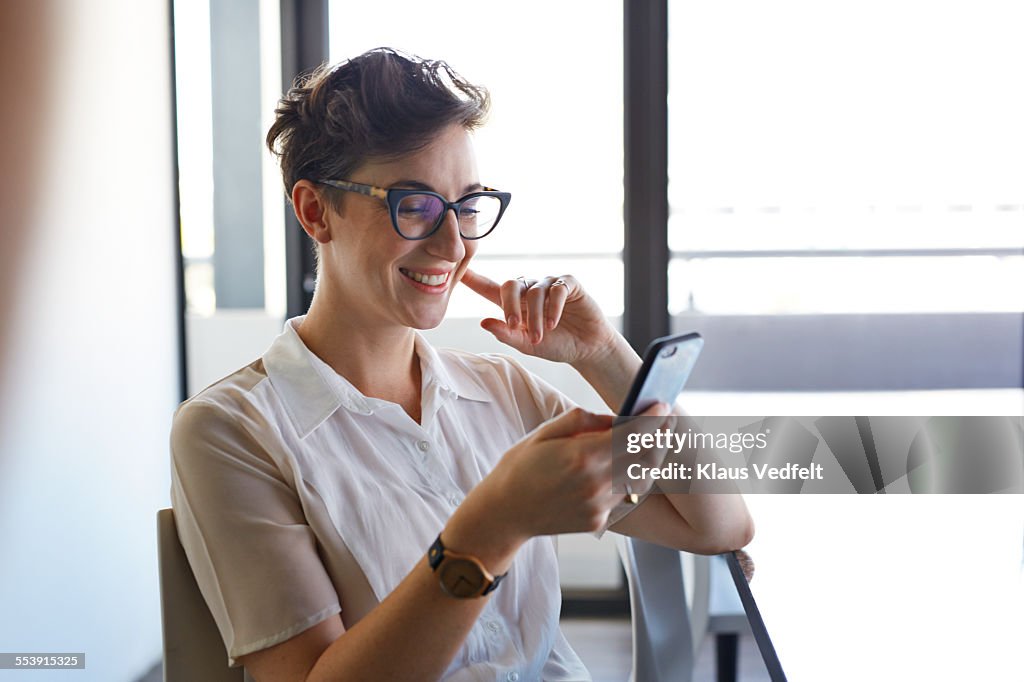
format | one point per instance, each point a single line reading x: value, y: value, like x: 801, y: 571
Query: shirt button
x: 455, y: 500
x: 494, y: 627
x: 423, y: 445
x: 512, y: 676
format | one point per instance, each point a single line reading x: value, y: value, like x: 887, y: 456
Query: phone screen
x: 667, y: 365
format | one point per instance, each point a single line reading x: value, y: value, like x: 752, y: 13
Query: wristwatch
x: 462, y: 576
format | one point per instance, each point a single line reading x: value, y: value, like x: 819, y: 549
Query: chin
x: 429, y: 325
x: 429, y: 320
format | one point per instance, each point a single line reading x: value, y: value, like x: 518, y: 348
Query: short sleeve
x: 532, y: 391
x: 244, y: 532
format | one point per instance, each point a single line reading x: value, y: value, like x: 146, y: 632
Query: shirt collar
x: 312, y: 391
x: 452, y: 378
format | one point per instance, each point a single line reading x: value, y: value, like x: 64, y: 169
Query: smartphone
x: 668, y: 362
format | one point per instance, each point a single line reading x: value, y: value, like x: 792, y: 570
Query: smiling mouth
x: 428, y: 280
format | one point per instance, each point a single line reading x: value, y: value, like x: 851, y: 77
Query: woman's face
x: 371, y: 270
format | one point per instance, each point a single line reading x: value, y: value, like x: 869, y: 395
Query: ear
x: 311, y: 209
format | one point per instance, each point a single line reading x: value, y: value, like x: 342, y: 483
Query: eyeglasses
x: 417, y: 214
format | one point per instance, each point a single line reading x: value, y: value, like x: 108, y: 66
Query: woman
x: 358, y: 505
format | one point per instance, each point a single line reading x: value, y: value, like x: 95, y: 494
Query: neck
x: 380, y: 361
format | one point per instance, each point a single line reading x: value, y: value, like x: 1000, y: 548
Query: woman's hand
x: 551, y: 318
x: 556, y: 480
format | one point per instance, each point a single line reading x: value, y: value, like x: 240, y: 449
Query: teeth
x: 429, y: 280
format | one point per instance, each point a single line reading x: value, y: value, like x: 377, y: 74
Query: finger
x: 558, y: 294
x: 595, y: 449
x: 615, y: 498
x: 651, y: 420
x: 631, y: 421
x: 515, y: 337
x: 616, y: 491
x: 487, y: 288
x: 598, y: 439
x: 535, y: 312
x: 746, y: 564
x: 573, y: 422
x: 511, y: 301
x: 656, y: 410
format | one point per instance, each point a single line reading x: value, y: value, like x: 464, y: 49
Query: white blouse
x: 296, y: 497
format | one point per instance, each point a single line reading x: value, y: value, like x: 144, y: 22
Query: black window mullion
x: 304, y: 46
x: 645, y: 116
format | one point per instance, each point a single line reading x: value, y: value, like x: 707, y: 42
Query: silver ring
x: 559, y: 283
x: 631, y: 497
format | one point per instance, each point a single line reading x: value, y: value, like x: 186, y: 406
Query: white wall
x: 92, y: 372
x: 218, y: 344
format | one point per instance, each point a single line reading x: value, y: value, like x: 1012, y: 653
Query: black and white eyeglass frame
x: 393, y: 196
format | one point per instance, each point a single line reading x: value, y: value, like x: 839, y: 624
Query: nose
x: 447, y: 243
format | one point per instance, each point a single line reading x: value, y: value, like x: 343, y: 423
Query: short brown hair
x: 382, y: 104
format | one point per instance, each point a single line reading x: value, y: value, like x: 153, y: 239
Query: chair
x: 717, y: 610
x: 193, y: 647
x: 668, y: 628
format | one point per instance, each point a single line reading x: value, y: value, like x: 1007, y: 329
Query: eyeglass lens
x: 419, y: 213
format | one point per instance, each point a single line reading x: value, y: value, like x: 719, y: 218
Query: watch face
x: 461, y: 578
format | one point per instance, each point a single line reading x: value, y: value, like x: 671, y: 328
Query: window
x: 863, y: 162
x: 554, y: 134
x: 228, y: 79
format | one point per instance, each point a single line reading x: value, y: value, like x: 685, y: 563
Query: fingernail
x: 536, y: 337
x: 550, y: 324
x: 513, y: 321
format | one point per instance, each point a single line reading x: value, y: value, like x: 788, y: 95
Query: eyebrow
x: 416, y: 184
